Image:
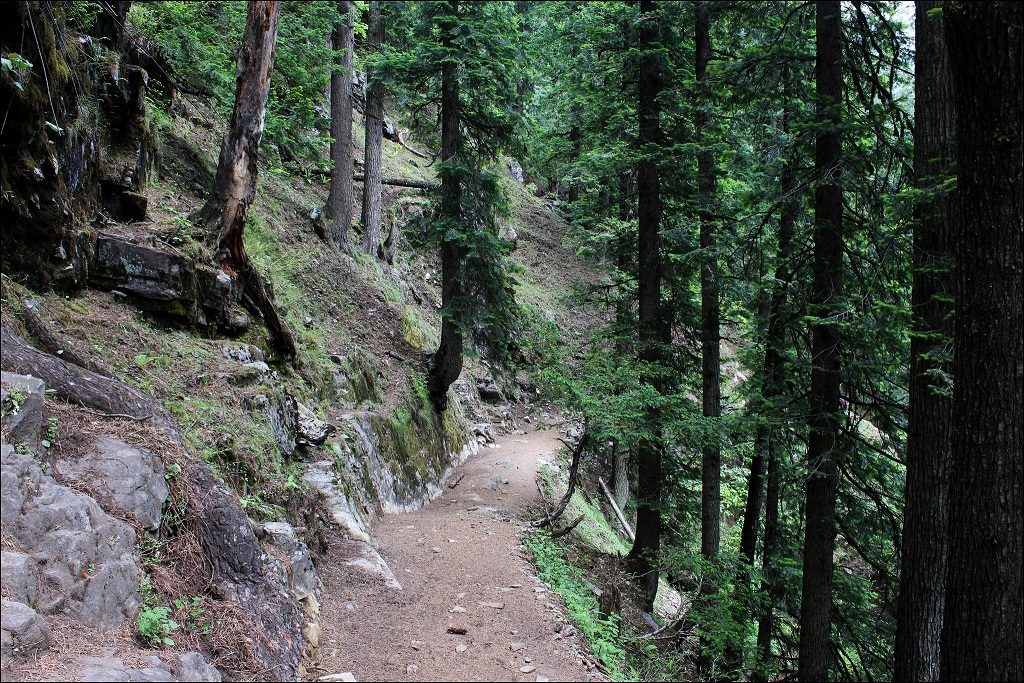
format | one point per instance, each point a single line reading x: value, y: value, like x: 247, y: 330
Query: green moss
x: 415, y: 331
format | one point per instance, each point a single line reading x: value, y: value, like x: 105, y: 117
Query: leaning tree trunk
x: 446, y: 363
x: 643, y: 556
x: 923, y: 569
x: 372, y: 187
x: 982, y: 631
x: 340, y: 196
x: 823, y: 442
x: 234, y: 186
x: 711, y: 454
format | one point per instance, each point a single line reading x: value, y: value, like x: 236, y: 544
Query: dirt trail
x: 457, y: 559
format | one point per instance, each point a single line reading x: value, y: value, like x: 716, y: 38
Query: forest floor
x: 471, y: 606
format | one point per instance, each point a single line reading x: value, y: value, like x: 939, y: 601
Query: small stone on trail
x: 492, y: 605
x: 516, y: 647
x: 457, y: 630
x: 458, y: 609
x: 436, y: 549
x: 529, y: 668
x: 417, y: 644
x: 346, y: 676
x: 461, y: 647
x: 412, y: 668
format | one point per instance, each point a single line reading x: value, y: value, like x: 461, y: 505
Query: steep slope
x: 346, y: 435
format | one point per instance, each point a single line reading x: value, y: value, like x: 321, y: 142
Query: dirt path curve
x: 461, y: 565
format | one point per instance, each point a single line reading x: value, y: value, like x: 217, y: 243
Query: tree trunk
x: 620, y: 475
x: 372, y: 187
x: 766, y: 438
x: 982, y: 632
x: 711, y: 455
x: 575, y: 135
x: 340, y: 197
x: 643, y: 556
x: 771, y: 585
x: 234, y: 187
x: 823, y: 441
x: 110, y: 23
x: 524, y: 87
x: 922, y: 574
x: 446, y: 363
x: 774, y: 345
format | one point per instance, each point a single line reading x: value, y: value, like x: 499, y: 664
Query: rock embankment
x: 65, y: 555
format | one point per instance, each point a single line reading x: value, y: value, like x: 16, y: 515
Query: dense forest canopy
x: 806, y: 219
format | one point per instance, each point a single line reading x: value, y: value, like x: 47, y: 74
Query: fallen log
x: 618, y: 513
x: 402, y: 182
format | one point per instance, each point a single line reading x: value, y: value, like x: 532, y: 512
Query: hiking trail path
x: 461, y: 565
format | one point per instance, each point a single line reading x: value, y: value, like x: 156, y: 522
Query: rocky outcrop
x: 21, y: 408
x: 22, y: 629
x: 162, y: 282
x: 123, y: 478
x: 82, y: 555
x: 80, y: 559
x: 295, y: 566
x: 185, y: 666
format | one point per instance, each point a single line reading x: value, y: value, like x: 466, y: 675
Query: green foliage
x: 155, y: 624
x: 479, y: 39
x: 568, y: 581
x: 199, y: 40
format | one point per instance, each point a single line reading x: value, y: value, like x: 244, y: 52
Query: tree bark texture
x: 446, y: 363
x: 373, y: 188
x: 982, y: 631
x: 711, y: 454
x: 234, y: 185
x: 823, y: 446
x: 340, y: 197
x: 926, y: 512
x: 643, y: 556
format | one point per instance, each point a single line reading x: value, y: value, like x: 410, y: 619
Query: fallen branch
x: 558, y: 533
x: 618, y: 513
x: 574, y: 469
x: 402, y: 182
x: 458, y: 478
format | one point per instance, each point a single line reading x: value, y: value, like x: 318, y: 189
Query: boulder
x: 125, y: 479
x: 23, y: 629
x: 311, y: 429
x: 18, y: 577
x: 186, y: 666
x: 484, y: 432
x: 301, y: 576
x: 83, y: 555
x: 488, y: 390
x: 162, y: 282
x: 243, y: 353
x: 21, y: 398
